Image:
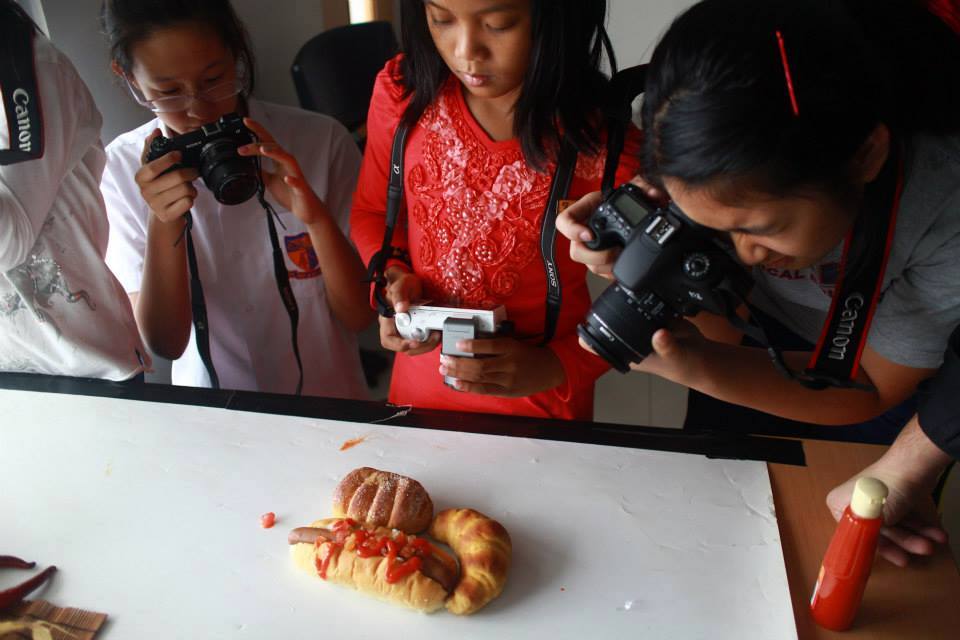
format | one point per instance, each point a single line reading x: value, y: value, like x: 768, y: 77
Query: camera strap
x: 559, y: 186
x: 21, y: 97
x: 378, y: 262
x: 282, y: 277
x: 625, y: 86
x: 866, y: 250
x: 198, y: 306
x: 836, y: 358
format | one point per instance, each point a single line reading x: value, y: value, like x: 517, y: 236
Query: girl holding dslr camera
x: 770, y: 122
x: 191, y: 63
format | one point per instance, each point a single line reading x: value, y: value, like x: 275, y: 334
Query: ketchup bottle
x: 849, y: 558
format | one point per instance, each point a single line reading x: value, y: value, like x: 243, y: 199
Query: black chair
x: 334, y: 71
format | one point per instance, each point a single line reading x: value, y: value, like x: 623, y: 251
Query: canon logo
x: 848, y: 316
x: 24, y: 135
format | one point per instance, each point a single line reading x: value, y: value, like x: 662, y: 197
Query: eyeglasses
x: 182, y: 102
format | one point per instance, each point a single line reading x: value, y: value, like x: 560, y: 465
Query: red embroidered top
x: 473, y: 211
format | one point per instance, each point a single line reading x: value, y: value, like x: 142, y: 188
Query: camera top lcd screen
x: 630, y: 209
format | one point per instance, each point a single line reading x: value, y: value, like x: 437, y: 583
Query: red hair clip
x: 786, y: 73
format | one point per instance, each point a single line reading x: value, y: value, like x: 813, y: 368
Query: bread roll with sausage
x: 383, y: 499
x: 384, y: 563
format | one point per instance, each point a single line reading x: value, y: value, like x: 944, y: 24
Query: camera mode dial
x: 696, y: 266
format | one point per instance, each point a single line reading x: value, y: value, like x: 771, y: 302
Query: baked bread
x: 330, y: 549
x: 383, y: 499
x: 484, y: 549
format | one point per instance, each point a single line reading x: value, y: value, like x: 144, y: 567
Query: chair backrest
x: 334, y: 71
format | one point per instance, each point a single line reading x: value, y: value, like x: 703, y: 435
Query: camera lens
x: 232, y: 178
x: 620, y: 325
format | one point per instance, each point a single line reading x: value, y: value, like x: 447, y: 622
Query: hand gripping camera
x: 669, y: 267
x: 212, y: 150
x: 456, y: 324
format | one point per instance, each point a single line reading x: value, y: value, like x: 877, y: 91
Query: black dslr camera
x: 212, y: 150
x: 669, y: 267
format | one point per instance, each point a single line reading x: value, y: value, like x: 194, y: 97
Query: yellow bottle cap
x: 869, y: 495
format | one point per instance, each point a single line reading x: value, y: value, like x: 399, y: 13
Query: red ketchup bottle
x: 849, y: 558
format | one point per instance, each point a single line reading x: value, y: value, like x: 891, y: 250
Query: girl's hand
x: 509, y: 368
x: 907, y: 532
x: 572, y: 224
x: 677, y: 353
x: 402, y: 288
x: 286, y: 182
x: 169, y: 194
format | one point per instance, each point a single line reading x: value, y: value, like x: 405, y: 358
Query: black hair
x: 127, y: 22
x: 717, y: 109
x: 10, y: 10
x: 563, y: 87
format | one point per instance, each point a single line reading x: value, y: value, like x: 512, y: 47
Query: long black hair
x: 563, y: 87
x: 10, y: 10
x: 718, y: 112
x: 127, y: 22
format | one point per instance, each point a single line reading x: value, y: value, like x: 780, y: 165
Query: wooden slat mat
x: 62, y: 623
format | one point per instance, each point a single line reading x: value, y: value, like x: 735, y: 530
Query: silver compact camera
x: 454, y: 323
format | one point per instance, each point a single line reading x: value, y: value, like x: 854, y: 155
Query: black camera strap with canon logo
x: 21, y: 96
x: 559, y: 187
x: 836, y: 359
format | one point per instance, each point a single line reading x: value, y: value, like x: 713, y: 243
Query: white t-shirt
x: 61, y: 309
x: 250, y: 341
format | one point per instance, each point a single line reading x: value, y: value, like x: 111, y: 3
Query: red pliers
x: 15, y: 595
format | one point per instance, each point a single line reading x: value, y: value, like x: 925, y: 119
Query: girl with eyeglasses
x: 489, y: 89
x: 191, y: 63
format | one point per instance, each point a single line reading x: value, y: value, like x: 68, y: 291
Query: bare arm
x: 343, y: 273
x: 342, y: 269
x: 745, y: 376
x: 162, y: 306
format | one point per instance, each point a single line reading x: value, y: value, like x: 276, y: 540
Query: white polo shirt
x: 249, y: 328
x: 61, y: 309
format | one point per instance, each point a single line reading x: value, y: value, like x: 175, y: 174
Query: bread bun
x: 383, y: 499
x: 484, y: 549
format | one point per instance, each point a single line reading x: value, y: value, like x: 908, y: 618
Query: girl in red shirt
x: 488, y: 88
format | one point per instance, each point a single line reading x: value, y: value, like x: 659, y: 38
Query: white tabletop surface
x: 151, y: 512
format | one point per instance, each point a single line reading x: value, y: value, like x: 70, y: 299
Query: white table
x: 151, y: 511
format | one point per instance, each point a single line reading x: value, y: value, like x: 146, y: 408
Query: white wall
x: 636, y: 25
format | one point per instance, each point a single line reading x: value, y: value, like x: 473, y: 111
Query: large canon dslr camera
x: 669, y: 267
x: 212, y: 150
